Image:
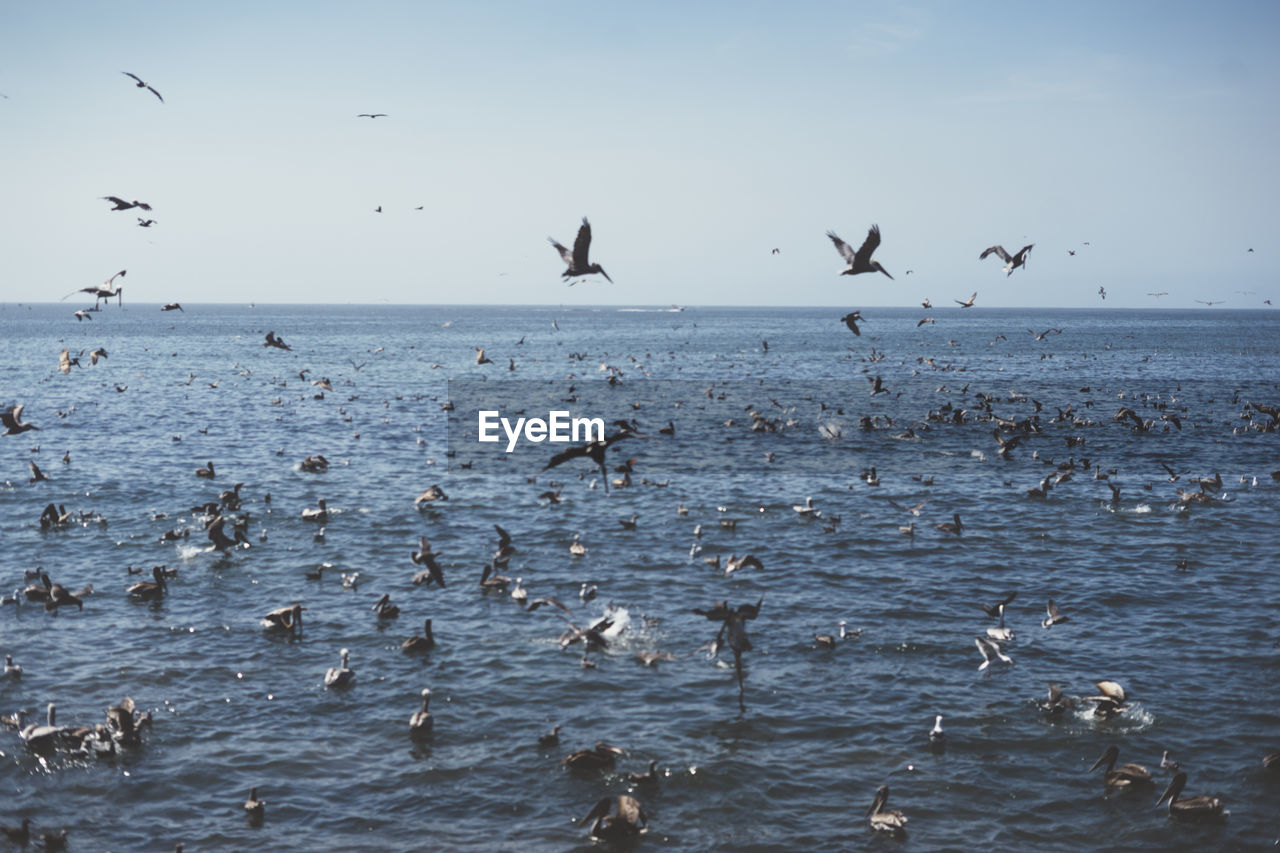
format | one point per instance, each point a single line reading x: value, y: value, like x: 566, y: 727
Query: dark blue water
x: 793, y: 763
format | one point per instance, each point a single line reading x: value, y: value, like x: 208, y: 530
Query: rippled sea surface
x: 1176, y: 601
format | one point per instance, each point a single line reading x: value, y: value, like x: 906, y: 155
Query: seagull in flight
x: 860, y: 261
x: 371, y: 115
x: 579, y: 264
x: 1012, y: 261
x: 144, y: 85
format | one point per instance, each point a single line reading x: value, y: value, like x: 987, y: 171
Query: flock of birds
x: 225, y: 524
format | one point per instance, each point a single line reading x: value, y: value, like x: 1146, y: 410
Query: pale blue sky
x: 696, y: 136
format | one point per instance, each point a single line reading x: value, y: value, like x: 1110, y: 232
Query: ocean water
x: 1176, y: 601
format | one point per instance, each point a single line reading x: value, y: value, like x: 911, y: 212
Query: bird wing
x: 504, y: 538
x: 554, y: 602
x: 582, y: 245
x: 1052, y: 610
x: 116, y: 200
x: 1022, y: 253
x: 845, y: 250
x: 135, y: 77
x: 565, y: 254
x: 863, y: 257
x: 567, y: 454
x: 999, y: 250
x: 154, y: 92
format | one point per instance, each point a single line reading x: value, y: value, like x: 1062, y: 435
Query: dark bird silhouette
x: 424, y: 556
x: 106, y: 290
x: 851, y: 320
x: 627, y: 819
x: 370, y: 115
x: 12, y: 420
x: 171, y: 306
x: 734, y: 625
x: 969, y: 302
x: 1012, y: 262
x: 278, y: 343
x: 860, y: 261
x: 145, y: 223
x: 36, y: 474
x: 577, y: 260
x: 594, y: 451
x: 143, y: 85
x: 121, y: 204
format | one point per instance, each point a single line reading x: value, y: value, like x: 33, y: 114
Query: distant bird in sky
x: 926, y: 303
x: 1211, y: 302
x: 579, y: 264
x: 777, y: 251
x: 1012, y: 261
x: 1102, y: 291
x: 106, y: 290
x: 851, y: 320
x: 145, y: 223
x: 969, y: 303
x: 143, y: 85
x: 1158, y: 294
x: 1071, y: 252
x: 371, y: 115
x: 860, y: 261
x: 121, y: 204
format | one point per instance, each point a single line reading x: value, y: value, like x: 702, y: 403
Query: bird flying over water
x: 969, y: 303
x: 1012, y: 261
x: 860, y: 261
x: 579, y: 264
x: 121, y: 204
x: 371, y: 115
x: 143, y: 85
x: 851, y: 320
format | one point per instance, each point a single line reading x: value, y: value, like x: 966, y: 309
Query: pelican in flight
x: 860, y: 261
x: 12, y: 420
x: 851, y: 320
x: 106, y: 290
x: 967, y: 303
x: 121, y: 204
x: 143, y: 85
x: 1012, y: 262
x: 578, y: 262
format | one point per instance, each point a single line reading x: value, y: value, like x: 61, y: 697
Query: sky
x: 697, y: 137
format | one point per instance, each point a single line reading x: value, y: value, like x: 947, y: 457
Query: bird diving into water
x: 1012, y: 261
x: 860, y: 261
x: 579, y: 264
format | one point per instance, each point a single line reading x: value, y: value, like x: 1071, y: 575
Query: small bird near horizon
x: 969, y: 302
x: 860, y: 261
x: 141, y: 84
x: 851, y: 320
x: 578, y: 262
x: 371, y: 115
x: 1012, y: 262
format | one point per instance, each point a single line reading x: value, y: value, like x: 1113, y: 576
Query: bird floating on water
x: 1201, y: 809
x: 1127, y: 777
x: 342, y: 675
x: 881, y: 819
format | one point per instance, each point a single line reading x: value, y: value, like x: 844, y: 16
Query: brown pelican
x: 12, y: 420
x: 420, y: 644
x: 967, y: 303
x: 37, y: 736
x: 150, y: 590
x: 1057, y: 701
x: 36, y: 474
x: 990, y: 651
x: 885, y: 820
x: 748, y: 561
x: 284, y: 619
x: 207, y: 473
x: 254, y: 808
x: 954, y: 526
x: 171, y: 306
x: 1053, y: 617
x: 434, y: 493
x: 579, y: 265
x: 627, y: 820
x: 273, y: 341
x: 852, y: 319
x: 860, y: 261
x: 121, y: 204
x: 385, y: 609
x: 1111, y: 702
x: 1012, y: 262
x: 147, y: 223
x: 425, y: 557
x: 340, y: 676
x: 734, y: 624
x: 221, y: 541
x: 143, y: 85
x: 319, y: 514
x: 551, y: 738
x: 1201, y: 809
x: 420, y: 723
x: 598, y: 758
x: 83, y: 315
x: 595, y: 451
x: 1126, y: 777
x: 489, y: 580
